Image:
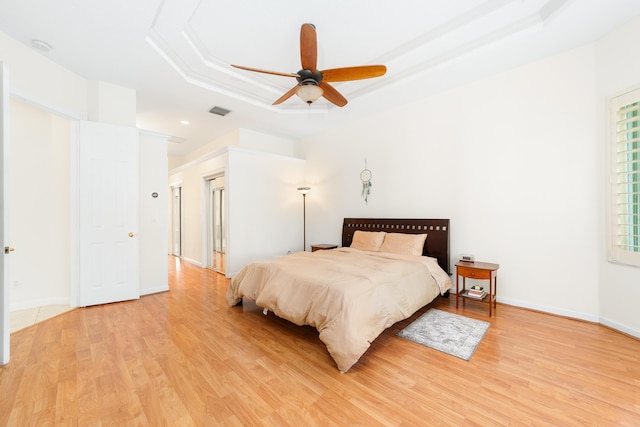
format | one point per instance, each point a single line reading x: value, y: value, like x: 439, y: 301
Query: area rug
x: 448, y: 332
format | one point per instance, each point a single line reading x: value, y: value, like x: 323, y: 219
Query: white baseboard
x: 622, y: 328
x: 192, y: 261
x: 575, y: 315
x: 156, y: 290
x: 25, y: 305
x: 571, y: 314
x: 552, y: 310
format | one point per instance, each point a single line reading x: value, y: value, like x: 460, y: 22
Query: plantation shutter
x: 627, y: 176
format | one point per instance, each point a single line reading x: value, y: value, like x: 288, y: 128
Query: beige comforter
x: 349, y: 296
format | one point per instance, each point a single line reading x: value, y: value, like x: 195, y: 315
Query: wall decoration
x: 365, y: 177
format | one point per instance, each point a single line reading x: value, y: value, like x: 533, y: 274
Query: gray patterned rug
x: 448, y: 332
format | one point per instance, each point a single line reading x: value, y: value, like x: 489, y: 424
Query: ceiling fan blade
x: 277, y: 73
x: 332, y: 94
x: 308, y: 47
x: 287, y: 95
x: 353, y: 73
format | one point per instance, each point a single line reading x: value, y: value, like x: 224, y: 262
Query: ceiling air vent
x: 219, y: 111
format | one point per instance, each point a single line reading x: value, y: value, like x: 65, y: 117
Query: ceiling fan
x: 313, y: 83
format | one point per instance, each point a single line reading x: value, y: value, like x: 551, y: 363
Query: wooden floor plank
x: 184, y: 357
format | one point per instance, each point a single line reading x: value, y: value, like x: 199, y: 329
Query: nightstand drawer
x: 473, y: 273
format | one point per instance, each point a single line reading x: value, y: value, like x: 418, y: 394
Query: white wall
x: 264, y: 209
x: 40, y: 215
x: 35, y: 77
x: 153, y: 215
x: 273, y: 144
x: 109, y: 103
x: 41, y: 179
x: 229, y: 139
x: 244, y: 138
x: 39, y: 207
x: 510, y: 159
x: 191, y: 179
x: 618, y: 71
x: 43, y: 246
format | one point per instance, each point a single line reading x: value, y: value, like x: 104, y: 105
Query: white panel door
x: 108, y: 213
x: 4, y: 224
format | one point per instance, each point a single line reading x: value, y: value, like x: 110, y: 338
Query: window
x: 625, y: 178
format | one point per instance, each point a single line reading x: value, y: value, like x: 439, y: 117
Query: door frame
x: 172, y: 188
x: 7, y: 93
x: 211, y: 233
x: 204, y: 210
x: 74, y: 214
x: 5, y: 327
x: 74, y: 121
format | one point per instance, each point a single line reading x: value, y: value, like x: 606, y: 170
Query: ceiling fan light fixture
x: 309, y: 92
x: 314, y: 83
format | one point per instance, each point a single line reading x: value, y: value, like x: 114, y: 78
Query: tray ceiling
x: 177, y: 53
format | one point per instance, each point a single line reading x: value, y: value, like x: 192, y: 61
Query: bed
x: 385, y: 271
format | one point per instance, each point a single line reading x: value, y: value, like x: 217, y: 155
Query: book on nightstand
x: 473, y: 293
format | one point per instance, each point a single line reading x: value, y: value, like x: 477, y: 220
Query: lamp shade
x: 304, y: 190
x: 309, y: 93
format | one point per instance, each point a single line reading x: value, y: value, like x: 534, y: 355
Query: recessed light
x: 184, y: 122
x: 41, y: 45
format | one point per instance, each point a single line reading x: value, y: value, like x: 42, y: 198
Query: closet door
x: 216, y: 220
x: 108, y: 213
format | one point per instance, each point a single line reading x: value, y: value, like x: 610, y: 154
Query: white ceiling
x: 177, y: 53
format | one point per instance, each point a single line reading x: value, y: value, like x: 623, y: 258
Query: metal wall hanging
x: 365, y: 177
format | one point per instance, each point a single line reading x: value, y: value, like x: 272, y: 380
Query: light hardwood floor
x: 183, y: 358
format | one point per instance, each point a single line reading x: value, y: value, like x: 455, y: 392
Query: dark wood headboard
x: 436, y: 245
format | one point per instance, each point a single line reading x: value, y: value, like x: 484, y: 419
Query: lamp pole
x: 304, y: 191
x: 304, y: 222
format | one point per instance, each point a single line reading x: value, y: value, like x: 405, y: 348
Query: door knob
x: 132, y: 234
x: 7, y: 249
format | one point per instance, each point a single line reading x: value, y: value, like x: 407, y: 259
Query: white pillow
x: 367, y: 240
x: 403, y: 244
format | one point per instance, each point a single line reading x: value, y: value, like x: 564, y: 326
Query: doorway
x: 216, y: 225
x: 41, y: 140
x: 176, y: 221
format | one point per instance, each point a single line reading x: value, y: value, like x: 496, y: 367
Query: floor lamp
x: 304, y: 191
